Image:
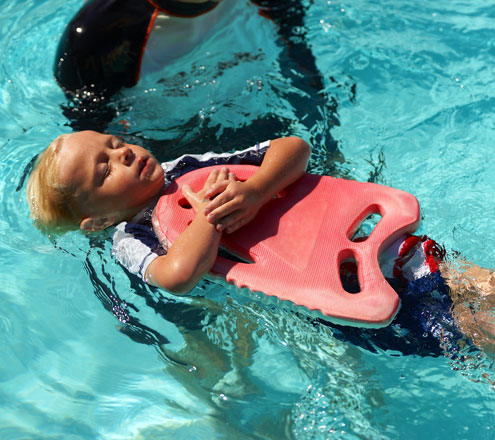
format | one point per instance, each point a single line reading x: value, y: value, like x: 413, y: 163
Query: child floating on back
x: 92, y: 181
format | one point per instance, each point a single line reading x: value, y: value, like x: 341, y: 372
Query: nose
x: 126, y: 156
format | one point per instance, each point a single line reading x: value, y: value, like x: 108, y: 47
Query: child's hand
x: 235, y: 204
x: 216, y: 182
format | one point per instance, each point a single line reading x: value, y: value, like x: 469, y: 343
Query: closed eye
x: 108, y: 171
x: 117, y: 142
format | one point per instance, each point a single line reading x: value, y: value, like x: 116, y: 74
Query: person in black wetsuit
x: 105, y: 48
x: 103, y: 45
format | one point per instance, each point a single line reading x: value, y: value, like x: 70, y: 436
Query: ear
x: 92, y: 224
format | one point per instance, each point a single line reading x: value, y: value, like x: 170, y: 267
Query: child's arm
x: 236, y: 203
x: 195, y: 250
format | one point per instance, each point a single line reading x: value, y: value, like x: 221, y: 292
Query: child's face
x: 112, y: 179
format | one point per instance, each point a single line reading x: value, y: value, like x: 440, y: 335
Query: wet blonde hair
x: 52, y: 204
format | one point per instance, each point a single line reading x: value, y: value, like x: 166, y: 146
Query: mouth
x: 142, y: 164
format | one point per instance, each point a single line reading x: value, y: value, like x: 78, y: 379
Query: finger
x: 228, y: 220
x: 221, y: 211
x: 190, y: 195
x: 186, y: 189
x: 235, y: 227
x: 235, y: 221
x: 215, y: 204
x: 220, y: 228
x: 223, y: 200
x: 212, y: 178
x: 223, y: 174
x: 231, y: 226
x: 216, y: 189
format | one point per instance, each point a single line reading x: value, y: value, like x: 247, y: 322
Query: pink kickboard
x: 298, y: 241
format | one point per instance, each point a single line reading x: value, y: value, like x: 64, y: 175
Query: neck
x: 130, y: 214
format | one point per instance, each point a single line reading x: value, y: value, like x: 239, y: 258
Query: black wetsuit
x: 102, y: 46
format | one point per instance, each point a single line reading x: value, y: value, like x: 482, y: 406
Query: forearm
x: 197, y: 247
x: 284, y: 163
x: 236, y: 203
x: 190, y: 257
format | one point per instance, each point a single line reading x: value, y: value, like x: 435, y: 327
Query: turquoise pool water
x: 89, y: 353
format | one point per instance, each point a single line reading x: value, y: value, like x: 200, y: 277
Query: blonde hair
x: 53, y: 205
